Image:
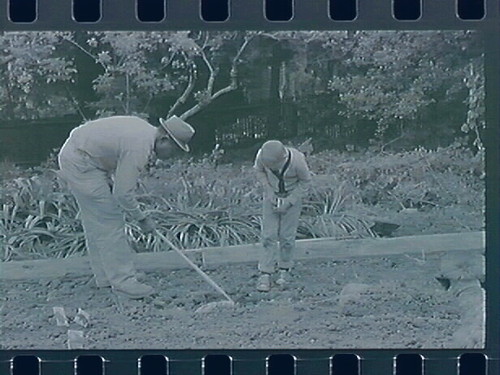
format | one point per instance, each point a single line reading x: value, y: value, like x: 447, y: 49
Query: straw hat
x: 180, y: 131
x: 273, y: 151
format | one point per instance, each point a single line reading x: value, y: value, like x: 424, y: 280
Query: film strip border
x: 269, y: 14
x: 219, y: 10
x: 249, y: 363
x: 273, y: 14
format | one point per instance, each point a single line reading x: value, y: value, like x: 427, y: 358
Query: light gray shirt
x: 121, y: 146
x: 296, y: 177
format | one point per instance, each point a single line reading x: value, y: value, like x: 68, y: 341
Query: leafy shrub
x: 411, y: 179
x: 38, y: 218
x: 200, y: 203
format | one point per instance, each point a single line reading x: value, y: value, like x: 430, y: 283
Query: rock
x: 55, y: 283
x: 209, y: 307
x: 159, y: 303
x: 472, y: 308
x: 82, y: 318
x: 198, y: 297
x: 351, y: 299
x: 361, y: 300
x: 463, y: 265
x: 75, y: 339
x: 60, y: 316
x: 384, y: 229
x: 444, y: 282
x: 45, y: 282
x: 408, y: 211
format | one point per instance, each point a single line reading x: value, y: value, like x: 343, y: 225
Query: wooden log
x: 337, y: 249
x: 463, y: 265
x: 306, y: 249
x: 465, y: 271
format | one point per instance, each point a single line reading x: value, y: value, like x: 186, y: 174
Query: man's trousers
x: 278, y: 237
x: 102, y: 218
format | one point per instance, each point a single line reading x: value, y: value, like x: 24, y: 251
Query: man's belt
x: 282, y: 194
x: 281, y: 174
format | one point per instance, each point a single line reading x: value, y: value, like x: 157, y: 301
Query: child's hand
x: 283, y: 205
x: 269, y: 194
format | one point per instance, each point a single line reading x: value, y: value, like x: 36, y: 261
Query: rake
x: 198, y: 270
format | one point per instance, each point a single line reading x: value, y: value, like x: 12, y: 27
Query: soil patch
x: 370, y: 302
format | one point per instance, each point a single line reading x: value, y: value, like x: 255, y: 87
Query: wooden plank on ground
x: 329, y: 248
x: 80, y: 266
x: 306, y: 249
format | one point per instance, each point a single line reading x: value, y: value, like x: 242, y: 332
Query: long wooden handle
x: 196, y: 268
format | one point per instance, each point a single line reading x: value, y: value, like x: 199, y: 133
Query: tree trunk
x: 204, y: 140
x: 274, y: 109
x: 88, y: 71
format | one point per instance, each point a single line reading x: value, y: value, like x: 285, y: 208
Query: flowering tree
x: 390, y: 80
x: 391, y: 77
x: 176, y: 69
x: 34, y: 76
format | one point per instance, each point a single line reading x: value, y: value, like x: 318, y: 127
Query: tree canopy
x: 392, y: 82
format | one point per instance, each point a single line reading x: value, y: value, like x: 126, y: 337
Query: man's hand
x: 283, y: 205
x: 147, y: 225
x: 269, y: 194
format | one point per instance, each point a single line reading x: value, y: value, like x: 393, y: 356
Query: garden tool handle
x: 195, y: 267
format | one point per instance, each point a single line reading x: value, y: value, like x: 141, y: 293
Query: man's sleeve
x: 260, y: 171
x: 304, y: 179
x: 127, y: 173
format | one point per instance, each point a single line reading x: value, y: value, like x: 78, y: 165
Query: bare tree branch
x: 225, y: 90
x: 192, y: 111
x: 75, y: 103
x: 232, y: 85
x: 242, y: 48
x: 271, y: 36
x: 205, y: 42
x: 127, y: 90
x: 147, y: 103
x: 77, y: 45
x: 6, y: 60
x: 167, y: 63
x: 185, y: 95
x: 211, y: 78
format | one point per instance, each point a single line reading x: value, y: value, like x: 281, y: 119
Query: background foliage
x: 200, y: 203
x: 396, y: 120
x: 342, y: 88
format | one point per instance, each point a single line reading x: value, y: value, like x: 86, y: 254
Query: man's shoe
x: 283, y: 278
x: 133, y: 289
x: 102, y: 283
x: 95, y: 283
x: 264, y: 283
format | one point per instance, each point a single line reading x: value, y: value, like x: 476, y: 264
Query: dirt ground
x: 369, y: 302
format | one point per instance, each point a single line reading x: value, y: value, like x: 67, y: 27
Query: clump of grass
x: 38, y: 218
x: 202, y: 203
x: 326, y: 212
x: 410, y: 179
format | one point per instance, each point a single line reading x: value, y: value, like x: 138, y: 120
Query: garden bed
x: 202, y: 203
x: 384, y: 301
x: 369, y: 302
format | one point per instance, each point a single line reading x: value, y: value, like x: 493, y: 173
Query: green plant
x: 475, y: 123
x: 201, y: 203
x: 39, y: 219
x: 326, y: 214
